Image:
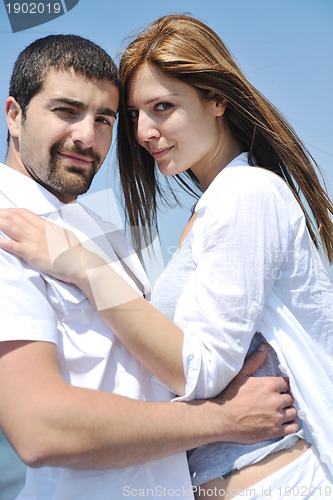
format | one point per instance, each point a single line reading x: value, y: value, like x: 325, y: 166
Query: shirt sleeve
x: 25, y: 313
x: 240, y: 242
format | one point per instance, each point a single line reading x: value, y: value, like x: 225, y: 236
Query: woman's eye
x: 133, y: 114
x: 163, y: 106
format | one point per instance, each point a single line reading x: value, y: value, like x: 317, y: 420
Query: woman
x: 246, y: 261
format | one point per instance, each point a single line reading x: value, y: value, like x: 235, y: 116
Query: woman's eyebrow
x: 154, y: 99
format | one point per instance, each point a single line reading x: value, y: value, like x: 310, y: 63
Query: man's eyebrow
x: 107, y: 112
x: 81, y: 105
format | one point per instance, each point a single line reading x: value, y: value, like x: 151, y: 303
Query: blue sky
x: 285, y: 47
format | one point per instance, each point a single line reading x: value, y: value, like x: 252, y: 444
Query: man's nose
x: 84, y: 132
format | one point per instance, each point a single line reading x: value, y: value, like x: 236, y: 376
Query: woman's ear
x: 218, y: 105
x: 13, y: 116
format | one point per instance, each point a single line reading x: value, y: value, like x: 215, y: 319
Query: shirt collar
x: 240, y: 160
x: 24, y: 192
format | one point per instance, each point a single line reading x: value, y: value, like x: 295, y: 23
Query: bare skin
x: 50, y: 422
x: 44, y: 424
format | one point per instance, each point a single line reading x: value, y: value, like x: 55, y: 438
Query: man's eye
x: 63, y: 110
x: 105, y: 121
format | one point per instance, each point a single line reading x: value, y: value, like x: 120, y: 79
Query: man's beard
x: 70, y: 181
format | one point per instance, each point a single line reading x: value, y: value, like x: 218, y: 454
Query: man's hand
x: 258, y: 408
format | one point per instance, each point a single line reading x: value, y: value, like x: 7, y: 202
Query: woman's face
x: 180, y: 129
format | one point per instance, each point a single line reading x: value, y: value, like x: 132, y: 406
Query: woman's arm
x: 240, y: 243
x: 229, y: 281
x: 154, y: 340
x: 150, y: 337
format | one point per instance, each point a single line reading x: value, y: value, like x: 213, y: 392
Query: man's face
x: 67, y: 133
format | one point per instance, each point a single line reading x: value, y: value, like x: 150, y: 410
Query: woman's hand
x: 56, y: 251
x: 44, y: 245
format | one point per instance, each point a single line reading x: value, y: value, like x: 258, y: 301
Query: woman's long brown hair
x: 186, y: 49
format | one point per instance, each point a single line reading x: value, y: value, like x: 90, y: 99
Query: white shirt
x: 258, y: 270
x: 36, y: 307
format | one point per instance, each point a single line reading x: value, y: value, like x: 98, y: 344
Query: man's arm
x: 50, y: 422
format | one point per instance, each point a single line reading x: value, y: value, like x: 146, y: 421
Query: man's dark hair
x: 61, y: 53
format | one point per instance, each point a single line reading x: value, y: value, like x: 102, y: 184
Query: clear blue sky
x: 285, y: 47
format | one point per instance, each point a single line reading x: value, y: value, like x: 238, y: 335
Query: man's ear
x: 13, y: 116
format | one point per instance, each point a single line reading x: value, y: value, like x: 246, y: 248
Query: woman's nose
x: 146, y: 128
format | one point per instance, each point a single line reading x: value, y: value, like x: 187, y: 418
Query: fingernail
x: 261, y: 347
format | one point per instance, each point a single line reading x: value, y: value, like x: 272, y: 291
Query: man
x: 74, y: 403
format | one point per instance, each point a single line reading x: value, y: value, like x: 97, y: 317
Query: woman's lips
x: 157, y: 154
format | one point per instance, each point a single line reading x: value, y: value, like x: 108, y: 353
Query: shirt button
x: 253, y: 312
x: 325, y: 458
x: 302, y: 414
x: 283, y: 369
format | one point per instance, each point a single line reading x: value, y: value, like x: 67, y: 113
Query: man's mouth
x: 77, y: 159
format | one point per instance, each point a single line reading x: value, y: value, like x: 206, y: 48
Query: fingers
x: 5, y: 225
x: 12, y: 232
x: 289, y: 428
x: 287, y: 420
x: 14, y: 221
x: 256, y: 359
x: 10, y: 246
x: 19, y: 225
x: 283, y: 384
x: 287, y: 400
x: 290, y: 415
x: 281, y: 422
x: 288, y: 424
x: 276, y: 390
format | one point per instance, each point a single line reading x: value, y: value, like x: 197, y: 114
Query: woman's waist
x: 223, y: 458
x: 246, y: 477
